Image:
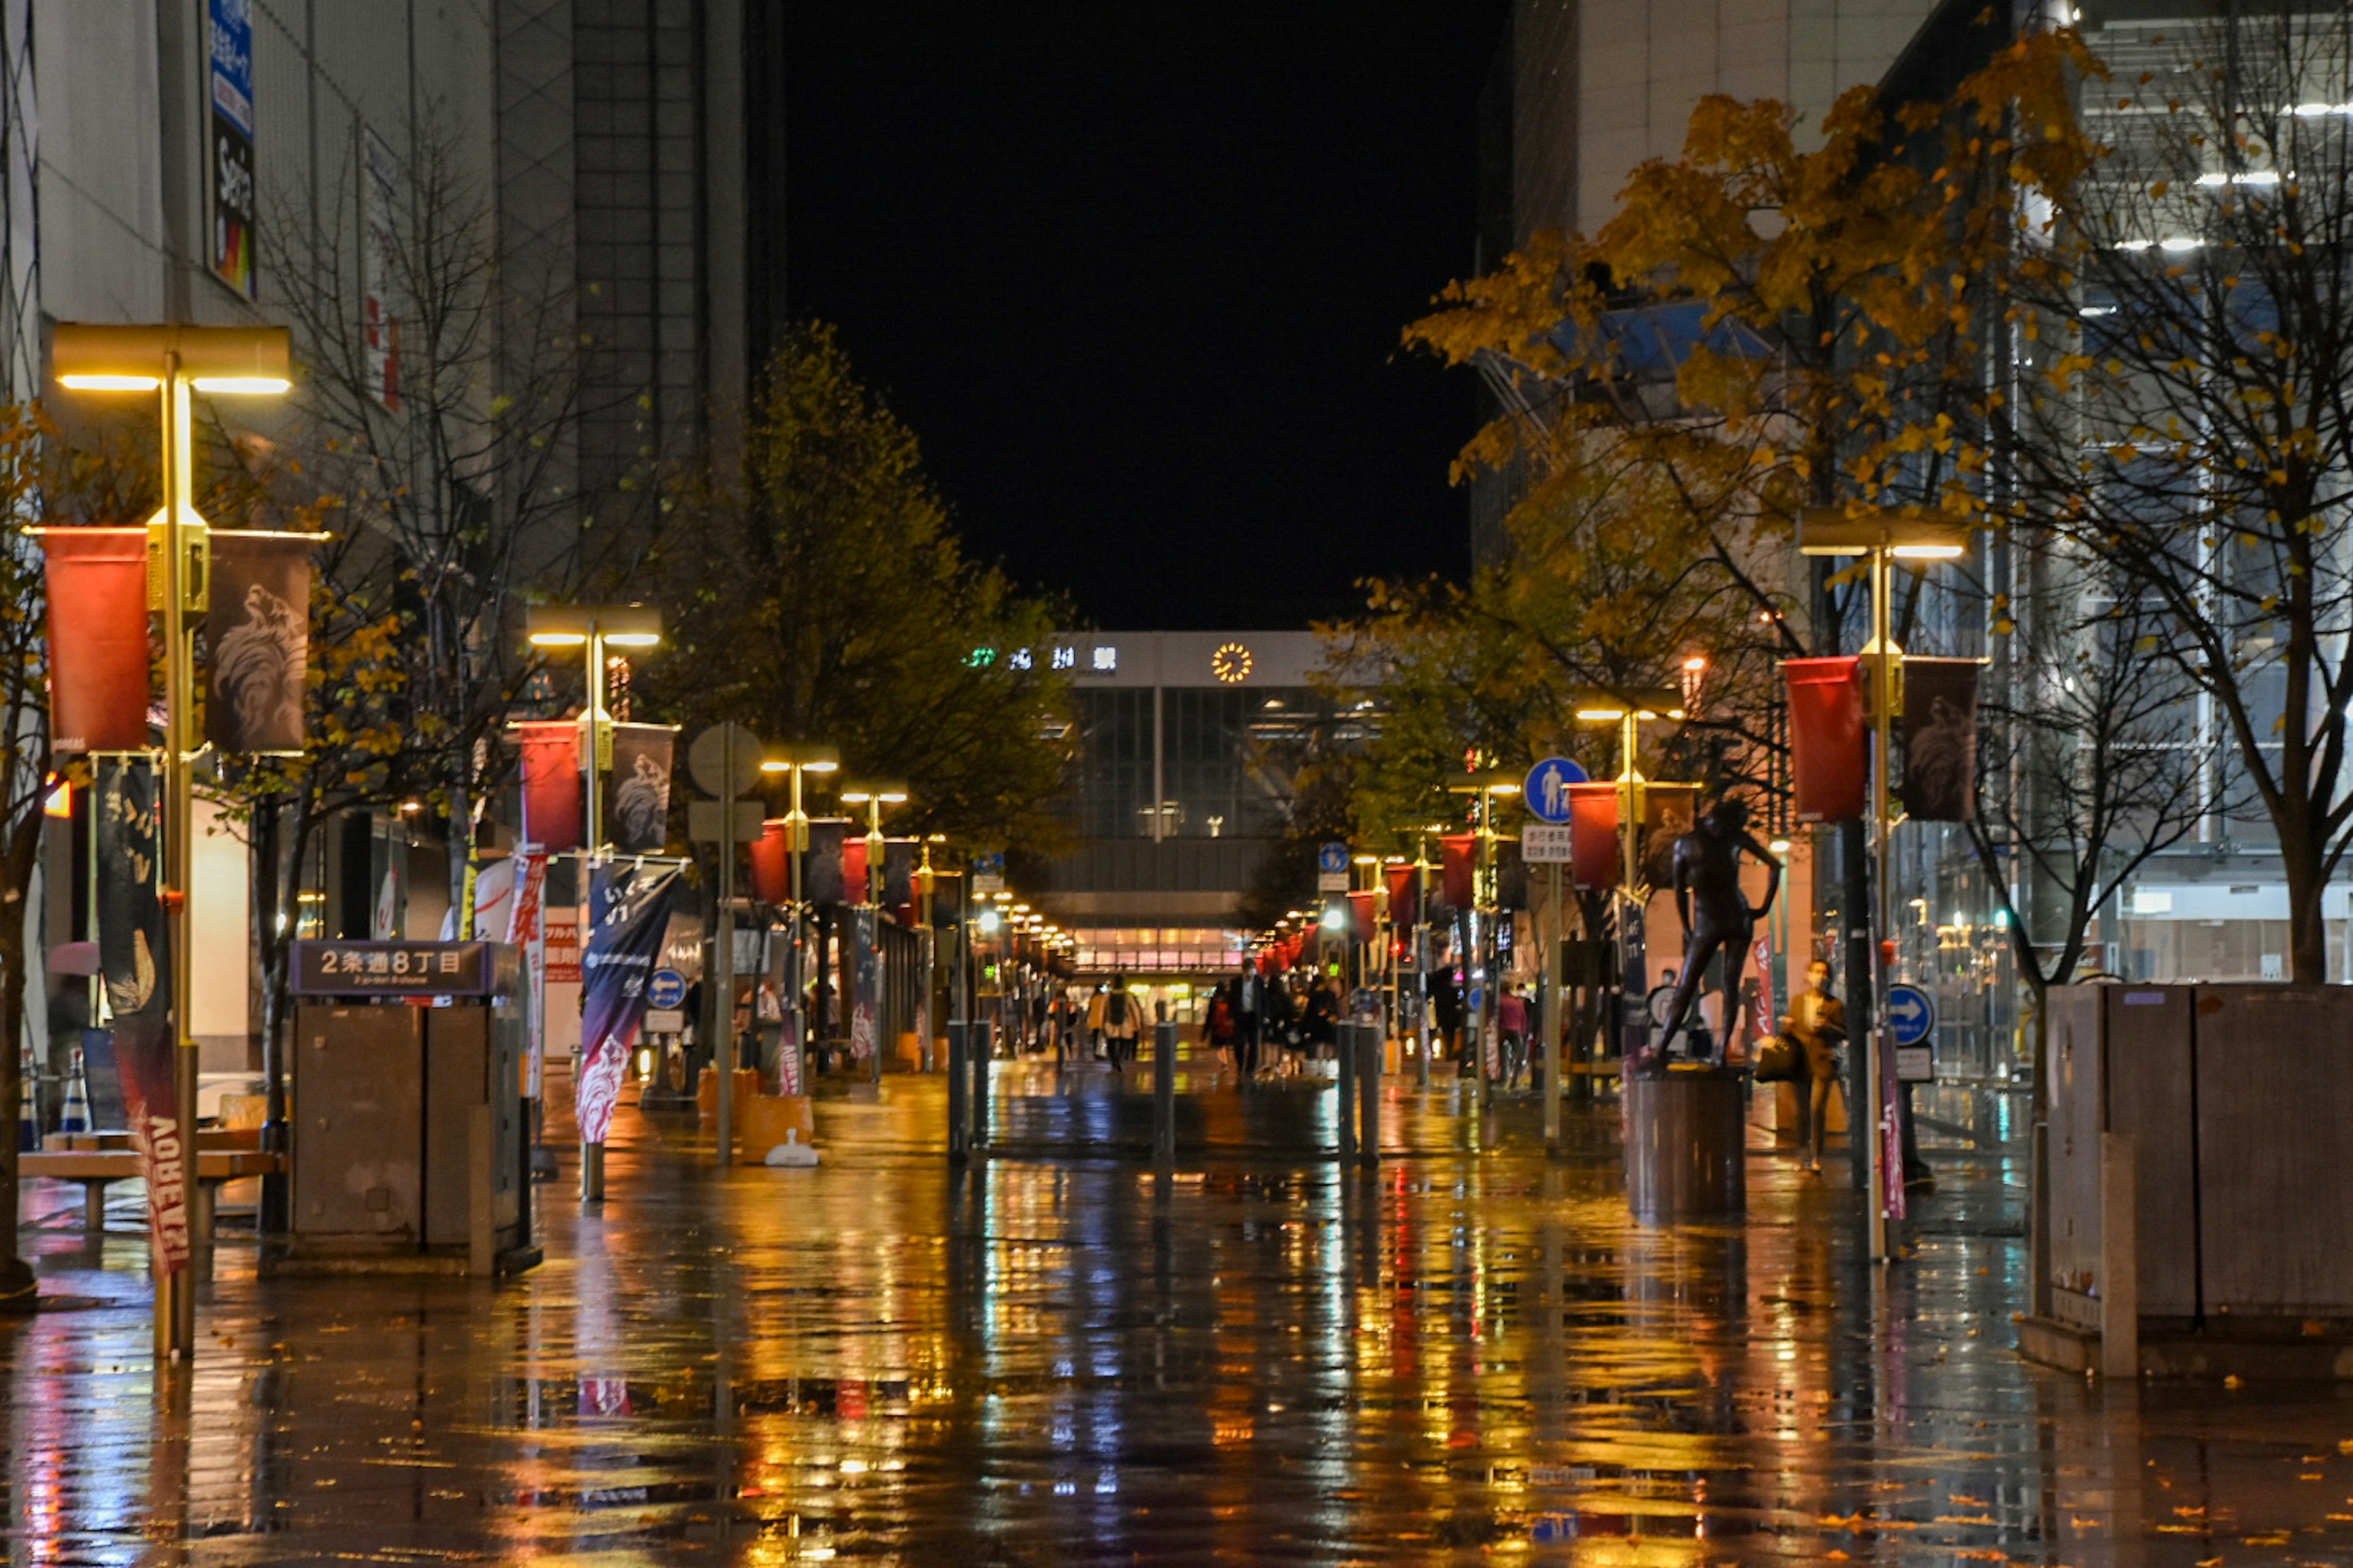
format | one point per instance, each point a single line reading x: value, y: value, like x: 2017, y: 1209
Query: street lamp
x: 593, y: 627
x: 874, y: 796
x: 795, y: 762
x: 1886, y: 536
x: 1487, y: 787
x: 176, y: 360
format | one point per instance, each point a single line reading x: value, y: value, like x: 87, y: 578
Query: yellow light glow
x: 111, y: 382
x: 1599, y: 715
x: 633, y: 639
x: 1833, y: 550
x: 820, y: 767
x: 558, y: 640
x: 244, y: 386
x: 1779, y: 846
x: 775, y: 767
x: 1504, y: 789
x: 1696, y: 663
x: 1928, y: 552
x: 59, y: 802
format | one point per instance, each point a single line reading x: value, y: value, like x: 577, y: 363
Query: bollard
x: 959, y: 1088
x: 1686, y: 1144
x: 1164, y: 1091
x: 979, y: 1046
x: 1345, y: 1052
x: 1372, y: 1045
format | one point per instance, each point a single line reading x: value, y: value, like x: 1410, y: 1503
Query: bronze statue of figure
x: 1715, y: 912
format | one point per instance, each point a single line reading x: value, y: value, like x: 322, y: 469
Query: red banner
x: 551, y: 785
x: 1596, y: 859
x: 1829, y: 765
x: 853, y: 868
x: 772, y: 864
x: 1459, y: 879
x: 98, y: 639
x: 1361, y: 915
x: 1405, y: 905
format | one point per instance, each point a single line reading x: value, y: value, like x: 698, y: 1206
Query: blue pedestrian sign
x: 665, y: 990
x: 1547, y: 793
x: 1911, y: 1013
x: 1331, y: 858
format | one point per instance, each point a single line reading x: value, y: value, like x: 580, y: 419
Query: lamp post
x: 1487, y: 787
x: 1885, y: 537
x: 796, y: 762
x: 176, y: 360
x: 1628, y: 709
x: 874, y: 797
x: 593, y: 628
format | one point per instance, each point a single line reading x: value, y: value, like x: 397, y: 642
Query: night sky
x: 1135, y: 274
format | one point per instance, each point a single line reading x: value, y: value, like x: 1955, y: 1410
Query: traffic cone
x: 75, y: 1117
x: 29, y: 1111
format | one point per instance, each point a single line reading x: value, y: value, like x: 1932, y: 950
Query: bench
x: 98, y: 1166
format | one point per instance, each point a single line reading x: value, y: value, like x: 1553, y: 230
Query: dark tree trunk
x: 2307, y: 926
x: 17, y: 1291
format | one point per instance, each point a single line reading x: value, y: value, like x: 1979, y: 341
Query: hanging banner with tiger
x: 257, y: 628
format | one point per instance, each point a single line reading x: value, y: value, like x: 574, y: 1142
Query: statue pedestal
x: 1686, y: 1144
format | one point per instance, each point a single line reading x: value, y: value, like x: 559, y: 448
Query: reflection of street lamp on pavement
x: 176, y: 360
x: 1884, y: 536
x: 593, y: 628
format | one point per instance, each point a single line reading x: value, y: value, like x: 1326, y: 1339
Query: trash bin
x: 407, y: 1146
x: 1686, y: 1142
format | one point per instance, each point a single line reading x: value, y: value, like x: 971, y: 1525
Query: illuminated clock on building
x: 1230, y: 664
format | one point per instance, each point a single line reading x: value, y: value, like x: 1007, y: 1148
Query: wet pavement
x: 1470, y: 1356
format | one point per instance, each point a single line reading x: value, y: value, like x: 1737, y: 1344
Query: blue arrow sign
x: 665, y: 989
x: 1911, y: 1013
x: 1546, y: 791
x: 1331, y: 858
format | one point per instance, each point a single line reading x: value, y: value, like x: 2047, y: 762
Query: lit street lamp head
x: 230, y: 360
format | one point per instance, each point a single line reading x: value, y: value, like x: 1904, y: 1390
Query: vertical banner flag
x: 527, y: 929
x: 1404, y: 907
x: 854, y: 883
x: 98, y: 639
x: 257, y: 626
x: 1940, y: 739
x: 865, y: 983
x: 379, y: 266
x: 1767, y: 1021
x: 551, y: 784
x: 494, y: 890
x: 1827, y: 764
x: 772, y: 867
x: 135, y: 960
x: 640, y: 787
x: 898, y: 873
x: 229, y: 80
x: 821, y: 881
x: 1361, y: 915
x: 1595, y: 857
x: 629, y: 916
x: 1669, y: 811
x: 1459, y: 879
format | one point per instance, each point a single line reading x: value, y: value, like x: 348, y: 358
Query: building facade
x: 1185, y: 758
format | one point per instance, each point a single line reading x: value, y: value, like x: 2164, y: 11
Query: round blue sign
x: 1546, y: 791
x: 665, y: 989
x: 1911, y: 1013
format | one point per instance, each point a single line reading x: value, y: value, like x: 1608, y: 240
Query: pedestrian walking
x: 1512, y: 1024
x: 1098, y: 1003
x: 1817, y: 1022
x: 1446, y: 1006
x: 1324, y: 1009
x: 1247, y: 992
x: 1121, y: 1022
x: 1224, y: 1035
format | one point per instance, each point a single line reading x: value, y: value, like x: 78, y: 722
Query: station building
x: 1186, y: 748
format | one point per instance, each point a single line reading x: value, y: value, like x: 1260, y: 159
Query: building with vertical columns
x: 1184, y: 758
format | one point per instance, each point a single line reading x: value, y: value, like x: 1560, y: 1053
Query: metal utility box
x: 2234, y: 1097
x: 408, y: 1144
